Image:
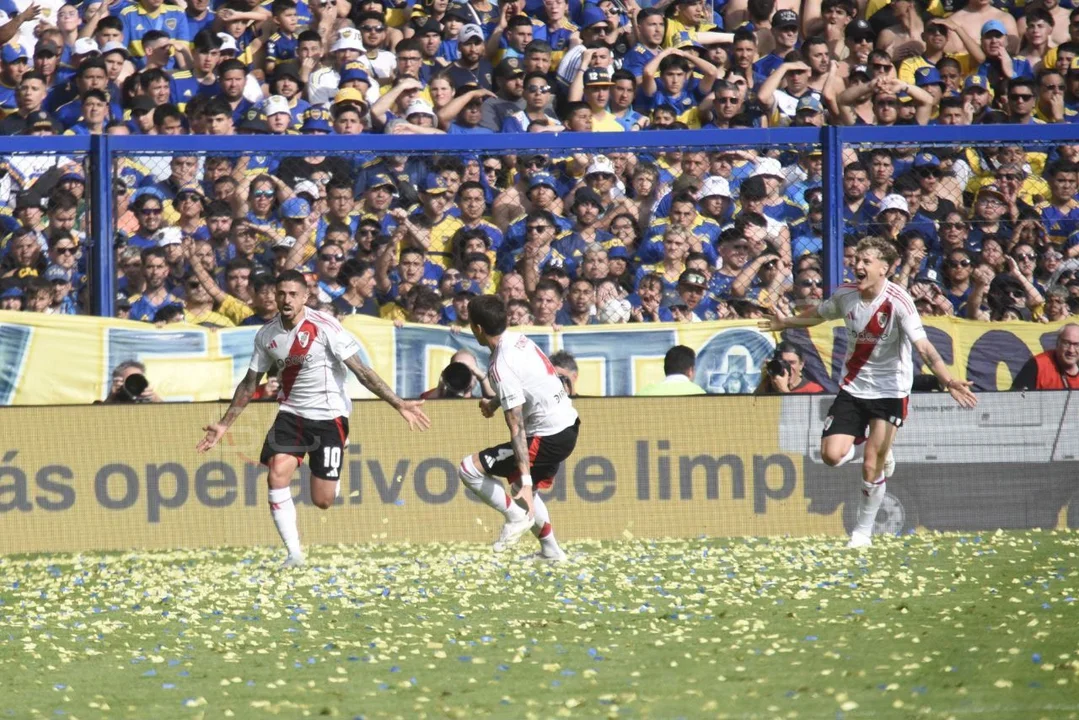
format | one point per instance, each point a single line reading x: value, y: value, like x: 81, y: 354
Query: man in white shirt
x: 882, y: 325
x: 313, y: 354
x: 543, y: 429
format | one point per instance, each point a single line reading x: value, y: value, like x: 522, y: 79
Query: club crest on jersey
x: 882, y: 319
x: 303, y: 337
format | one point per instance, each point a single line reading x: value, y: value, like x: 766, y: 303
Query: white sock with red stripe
x: 541, y: 524
x: 869, y: 504
x: 846, y: 458
x: 490, y: 490
x: 283, y: 511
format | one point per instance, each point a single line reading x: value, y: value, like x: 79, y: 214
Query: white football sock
x: 284, y: 517
x: 541, y: 524
x: 489, y: 489
x: 869, y: 504
x: 846, y: 458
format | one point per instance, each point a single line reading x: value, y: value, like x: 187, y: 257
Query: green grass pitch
x: 924, y: 626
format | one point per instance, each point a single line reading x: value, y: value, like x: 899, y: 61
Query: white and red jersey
x: 880, y: 333
x: 522, y: 375
x: 312, y: 360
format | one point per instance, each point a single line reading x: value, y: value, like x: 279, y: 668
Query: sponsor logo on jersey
x: 294, y: 360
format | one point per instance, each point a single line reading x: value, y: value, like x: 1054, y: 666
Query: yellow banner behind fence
x: 50, y: 360
x: 111, y: 477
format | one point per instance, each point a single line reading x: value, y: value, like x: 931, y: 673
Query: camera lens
x: 135, y: 385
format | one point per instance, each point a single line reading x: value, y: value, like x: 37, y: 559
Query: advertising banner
x: 53, y: 360
x: 119, y: 477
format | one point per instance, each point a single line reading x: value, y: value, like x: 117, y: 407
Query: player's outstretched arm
x: 516, y: 422
x: 244, y: 391
x: 958, y: 389
x: 410, y: 410
x: 807, y: 318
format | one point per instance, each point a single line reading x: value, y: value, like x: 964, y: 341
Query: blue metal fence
x: 104, y: 150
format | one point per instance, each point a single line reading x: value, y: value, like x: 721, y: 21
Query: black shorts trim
x: 850, y: 415
x: 322, y: 441
x: 545, y: 455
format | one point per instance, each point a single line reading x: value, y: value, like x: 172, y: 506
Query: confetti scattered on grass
x: 921, y: 626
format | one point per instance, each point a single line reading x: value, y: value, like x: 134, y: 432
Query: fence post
x: 833, y: 207
x: 103, y: 270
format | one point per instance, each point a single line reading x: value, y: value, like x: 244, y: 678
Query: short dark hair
x: 291, y: 276
x: 565, y: 360
x: 786, y: 346
x: 217, y: 106
x: 549, y: 284
x: 488, y: 313
x: 231, y: 64
x: 679, y: 360
x: 153, y: 252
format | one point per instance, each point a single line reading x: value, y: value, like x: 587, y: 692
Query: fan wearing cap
x: 597, y: 84
x: 668, y: 80
x: 689, y: 302
x: 286, y: 83
x: 145, y: 15
x: 973, y: 18
x: 47, y: 56
x: 431, y: 227
x: 784, y: 35
x: 190, y: 203
x: 509, y: 83
x: 999, y: 66
x: 11, y: 297
x: 471, y: 65
x: 990, y: 215
x: 542, y: 191
x: 14, y: 64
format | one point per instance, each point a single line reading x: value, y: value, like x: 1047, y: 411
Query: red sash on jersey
x: 867, y: 340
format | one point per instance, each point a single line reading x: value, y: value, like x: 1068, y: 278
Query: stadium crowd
x: 987, y: 233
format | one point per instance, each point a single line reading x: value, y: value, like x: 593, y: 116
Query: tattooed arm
x: 244, y: 391
x: 958, y: 389
x: 409, y: 409
x: 519, y: 441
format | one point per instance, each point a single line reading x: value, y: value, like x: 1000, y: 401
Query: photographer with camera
x: 129, y: 384
x: 782, y: 374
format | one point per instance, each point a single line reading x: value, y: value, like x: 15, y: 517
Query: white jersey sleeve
x: 261, y: 361
x: 523, y: 377
x: 510, y: 392
x: 832, y: 307
x: 340, y: 342
x: 909, y: 319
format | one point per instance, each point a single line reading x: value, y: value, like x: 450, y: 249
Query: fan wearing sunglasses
x: 328, y: 265
x: 958, y: 266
